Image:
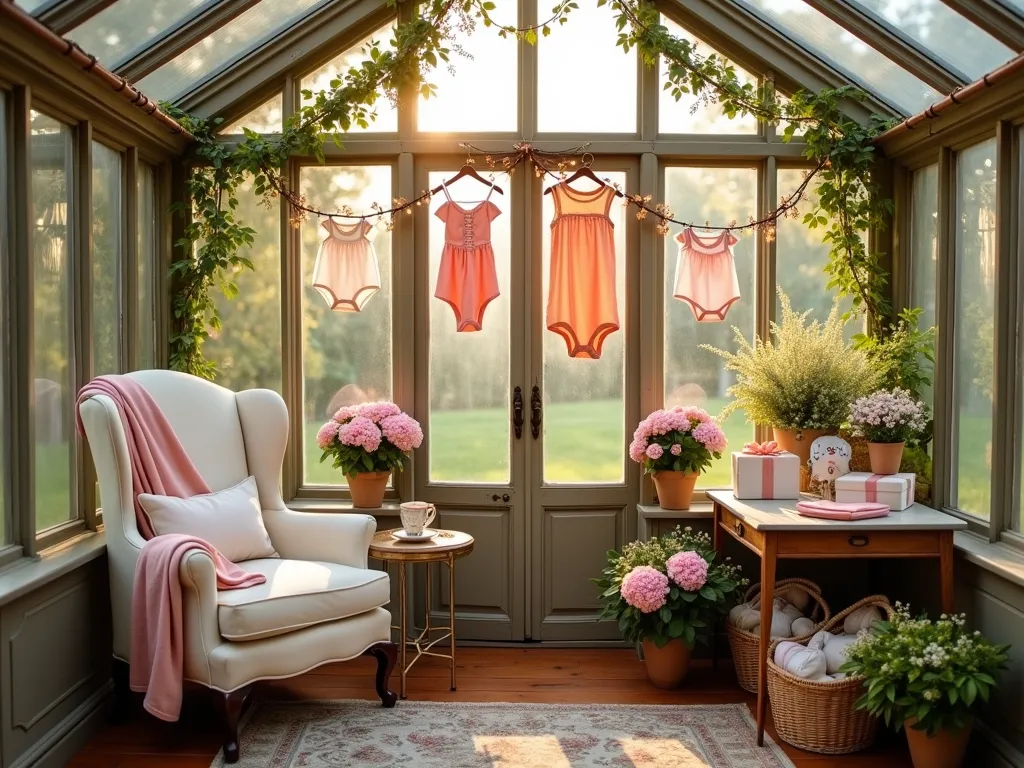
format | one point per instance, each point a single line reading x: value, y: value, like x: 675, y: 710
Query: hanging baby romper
x: 346, y: 272
x: 706, y: 274
x: 467, y: 279
x: 582, y: 307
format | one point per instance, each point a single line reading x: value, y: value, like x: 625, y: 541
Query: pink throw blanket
x: 834, y: 510
x: 159, y: 466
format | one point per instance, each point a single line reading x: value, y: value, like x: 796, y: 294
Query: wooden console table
x: 774, y: 530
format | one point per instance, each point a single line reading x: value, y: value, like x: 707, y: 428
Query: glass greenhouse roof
x: 174, y: 47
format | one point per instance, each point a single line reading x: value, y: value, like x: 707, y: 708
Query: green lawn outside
x: 53, y: 482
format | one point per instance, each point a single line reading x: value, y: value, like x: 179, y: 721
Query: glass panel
x: 346, y: 355
x: 923, y: 249
x: 320, y: 80
x: 31, y: 5
x: 975, y: 326
x: 945, y: 33
x: 694, y: 376
x: 579, y: 67
x: 688, y: 114
x: 262, y: 22
x: 831, y: 43
x: 801, y: 256
x: 107, y: 226
x: 1020, y: 352
x: 584, y: 405
x: 478, y: 89
x: 52, y: 163
x: 247, y: 348
x: 469, y: 371
x: 5, y: 467
x: 266, y: 118
x: 129, y: 26
x: 148, y: 228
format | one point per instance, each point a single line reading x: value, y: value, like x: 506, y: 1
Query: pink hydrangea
x: 377, y: 412
x: 403, y: 431
x: 325, y: 437
x: 676, y: 449
x: 638, y: 449
x: 711, y: 436
x: 645, y: 588
x: 693, y: 414
x: 688, y: 569
x: 360, y: 432
x: 654, y: 451
x: 345, y: 413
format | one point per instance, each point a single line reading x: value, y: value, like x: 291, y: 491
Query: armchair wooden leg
x: 229, y: 706
x: 386, y: 654
x: 123, y: 698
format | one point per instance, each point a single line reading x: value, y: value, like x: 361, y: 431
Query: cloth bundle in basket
x: 799, y: 611
x: 820, y: 715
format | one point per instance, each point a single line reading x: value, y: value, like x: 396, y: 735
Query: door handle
x: 859, y: 541
x: 536, y: 406
x: 517, y: 412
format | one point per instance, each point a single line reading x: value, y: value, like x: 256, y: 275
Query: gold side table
x: 446, y: 547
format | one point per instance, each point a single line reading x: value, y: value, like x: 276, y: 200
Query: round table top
x: 446, y: 545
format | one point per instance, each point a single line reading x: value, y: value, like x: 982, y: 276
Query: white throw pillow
x: 231, y: 520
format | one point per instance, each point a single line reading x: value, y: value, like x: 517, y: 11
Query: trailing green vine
x: 847, y: 201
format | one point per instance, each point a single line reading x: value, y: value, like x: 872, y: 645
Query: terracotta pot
x: 675, y: 489
x: 368, y: 489
x: 666, y: 667
x: 946, y: 749
x: 799, y: 441
x: 885, y: 457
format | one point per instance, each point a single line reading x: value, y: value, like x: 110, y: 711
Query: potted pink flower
x: 674, y: 446
x: 887, y: 419
x: 367, y: 443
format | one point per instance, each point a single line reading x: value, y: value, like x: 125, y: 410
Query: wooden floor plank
x: 539, y: 675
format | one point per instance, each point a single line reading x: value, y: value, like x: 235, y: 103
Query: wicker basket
x: 744, y: 645
x: 822, y: 716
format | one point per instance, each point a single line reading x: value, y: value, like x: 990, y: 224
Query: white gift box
x: 897, y: 491
x: 755, y: 476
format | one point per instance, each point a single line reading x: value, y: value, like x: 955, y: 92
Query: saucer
x: 427, y: 535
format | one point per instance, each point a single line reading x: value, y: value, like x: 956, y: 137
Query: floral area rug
x: 353, y: 734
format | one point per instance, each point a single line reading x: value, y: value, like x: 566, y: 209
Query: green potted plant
x: 666, y: 593
x: 800, y: 382
x: 929, y: 676
x: 888, y: 419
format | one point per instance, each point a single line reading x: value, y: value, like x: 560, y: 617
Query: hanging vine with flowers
x: 847, y: 200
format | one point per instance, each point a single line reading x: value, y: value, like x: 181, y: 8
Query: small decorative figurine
x: 830, y: 458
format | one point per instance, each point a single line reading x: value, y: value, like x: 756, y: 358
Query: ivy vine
x: 847, y: 204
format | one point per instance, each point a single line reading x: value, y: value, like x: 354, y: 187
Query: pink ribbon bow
x: 767, y: 448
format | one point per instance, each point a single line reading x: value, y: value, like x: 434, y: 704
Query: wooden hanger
x: 584, y: 172
x: 467, y: 170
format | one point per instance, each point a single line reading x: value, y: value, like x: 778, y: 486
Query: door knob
x: 495, y: 497
x: 505, y: 497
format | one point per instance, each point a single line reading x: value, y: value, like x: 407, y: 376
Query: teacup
x: 416, y: 515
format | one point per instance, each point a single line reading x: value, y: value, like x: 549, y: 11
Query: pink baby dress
x: 706, y: 274
x: 345, y: 272
x: 467, y: 279
x: 582, y: 306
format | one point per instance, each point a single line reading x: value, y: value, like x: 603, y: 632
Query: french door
x: 525, y: 448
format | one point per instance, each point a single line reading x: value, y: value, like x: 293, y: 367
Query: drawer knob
x: 738, y: 527
x: 858, y: 541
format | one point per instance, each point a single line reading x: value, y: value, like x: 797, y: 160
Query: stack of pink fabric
x: 834, y: 510
x: 159, y: 466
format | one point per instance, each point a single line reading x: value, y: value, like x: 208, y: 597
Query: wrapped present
x: 764, y: 471
x: 897, y: 491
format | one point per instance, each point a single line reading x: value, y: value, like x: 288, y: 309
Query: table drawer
x: 742, y: 531
x: 851, y: 544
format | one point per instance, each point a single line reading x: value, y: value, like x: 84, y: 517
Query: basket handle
x: 879, y: 601
x: 754, y: 589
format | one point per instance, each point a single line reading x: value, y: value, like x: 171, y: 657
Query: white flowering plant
x: 929, y: 675
x: 670, y: 587
x: 888, y: 416
x: 804, y: 377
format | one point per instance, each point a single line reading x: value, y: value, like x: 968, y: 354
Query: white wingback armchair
x: 321, y: 602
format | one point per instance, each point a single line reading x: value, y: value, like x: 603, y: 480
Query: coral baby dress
x: 467, y: 279
x: 706, y: 274
x: 345, y: 272
x: 582, y: 306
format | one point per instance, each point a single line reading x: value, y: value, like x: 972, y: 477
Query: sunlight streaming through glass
x: 148, y: 234
x: 924, y: 220
x: 106, y: 260
x: 266, y: 118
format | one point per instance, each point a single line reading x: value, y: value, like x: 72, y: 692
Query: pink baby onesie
x: 346, y: 272
x: 706, y: 274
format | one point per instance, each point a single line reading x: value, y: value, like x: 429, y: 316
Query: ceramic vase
x: 946, y: 749
x: 368, y: 488
x: 667, y: 666
x: 885, y: 457
x: 675, y: 488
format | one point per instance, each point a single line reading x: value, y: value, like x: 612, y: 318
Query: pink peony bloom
x: 676, y: 449
x: 654, y: 451
x: 377, y: 412
x: 645, y: 588
x: 688, y: 569
x: 328, y: 432
x: 362, y: 433
x: 711, y: 436
x: 402, y: 431
x: 345, y: 413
